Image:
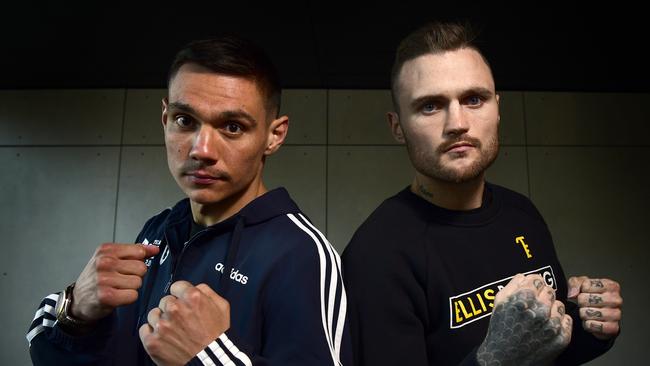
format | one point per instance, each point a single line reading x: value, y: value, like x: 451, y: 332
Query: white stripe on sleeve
x: 45, y: 308
x: 205, y: 358
x: 322, y: 259
x: 241, y: 356
x: 343, y: 305
x: 221, y: 355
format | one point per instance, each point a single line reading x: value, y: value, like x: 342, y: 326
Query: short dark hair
x: 432, y: 38
x: 233, y: 56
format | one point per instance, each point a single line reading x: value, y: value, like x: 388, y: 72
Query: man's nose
x: 204, y: 145
x: 456, y: 122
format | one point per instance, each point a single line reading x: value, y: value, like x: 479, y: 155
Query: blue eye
x: 474, y: 100
x: 429, y: 108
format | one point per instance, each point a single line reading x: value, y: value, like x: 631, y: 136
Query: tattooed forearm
x: 594, y: 314
x: 521, y: 333
x: 595, y: 299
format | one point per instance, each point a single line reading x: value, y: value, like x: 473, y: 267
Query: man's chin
x: 459, y: 174
x: 205, y: 198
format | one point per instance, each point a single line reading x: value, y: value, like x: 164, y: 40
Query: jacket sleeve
x: 50, y: 345
x: 304, y: 309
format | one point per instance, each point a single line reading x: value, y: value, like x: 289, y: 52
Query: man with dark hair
x: 232, y: 275
x: 455, y: 270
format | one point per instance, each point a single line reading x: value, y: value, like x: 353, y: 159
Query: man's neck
x: 452, y: 196
x: 213, y: 213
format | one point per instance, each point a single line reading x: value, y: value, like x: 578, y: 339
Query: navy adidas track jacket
x: 279, y: 273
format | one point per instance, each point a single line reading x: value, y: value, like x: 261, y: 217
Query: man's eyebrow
x: 481, y: 91
x: 484, y: 92
x: 237, y: 114
x: 182, y: 106
x: 427, y: 98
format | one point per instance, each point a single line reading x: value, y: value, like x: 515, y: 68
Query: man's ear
x: 278, y: 130
x: 395, y: 127
x: 498, y: 97
x: 165, y: 104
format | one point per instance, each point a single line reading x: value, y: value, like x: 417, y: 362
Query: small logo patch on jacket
x: 156, y: 242
x: 234, y: 274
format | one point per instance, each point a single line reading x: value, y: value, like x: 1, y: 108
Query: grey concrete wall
x: 82, y: 167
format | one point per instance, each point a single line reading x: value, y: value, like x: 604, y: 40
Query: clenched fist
x: 528, y: 325
x: 111, y: 278
x: 600, y: 302
x: 184, y: 323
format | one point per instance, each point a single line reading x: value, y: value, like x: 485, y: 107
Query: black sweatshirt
x: 421, y: 279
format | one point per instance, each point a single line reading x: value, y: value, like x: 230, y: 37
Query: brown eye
x: 183, y: 121
x: 233, y: 128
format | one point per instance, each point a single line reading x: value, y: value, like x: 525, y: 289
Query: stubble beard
x: 428, y: 163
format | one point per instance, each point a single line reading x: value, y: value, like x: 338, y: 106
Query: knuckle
x: 499, y: 296
x: 137, y: 282
x: 225, y: 305
x: 582, y: 298
x: 203, y: 287
x: 163, y: 327
x: 193, y: 295
x: 140, y: 251
x: 617, y: 301
x: 141, y: 268
x: 171, y: 307
x: 104, y: 263
x: 551, y: 294
x: 568, y: 319
x: 104, y: 248
x: 105, y: 295
x: 103, y: 279
x: 152, y: 344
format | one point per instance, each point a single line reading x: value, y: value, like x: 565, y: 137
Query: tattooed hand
x: 600, y: 304
x: 528, y: 326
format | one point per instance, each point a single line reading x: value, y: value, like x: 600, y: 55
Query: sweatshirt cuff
x: 221, y: 351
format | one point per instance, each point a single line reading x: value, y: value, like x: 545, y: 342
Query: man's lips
x: 202, y: 177
x: 459, y: 147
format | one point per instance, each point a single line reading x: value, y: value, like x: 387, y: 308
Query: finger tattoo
x: 594, y: 313
x: 560, y: 309
x: 596, y: 326
x: 594, y: 299
x: 538, y: 284
x: 597, y: 283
